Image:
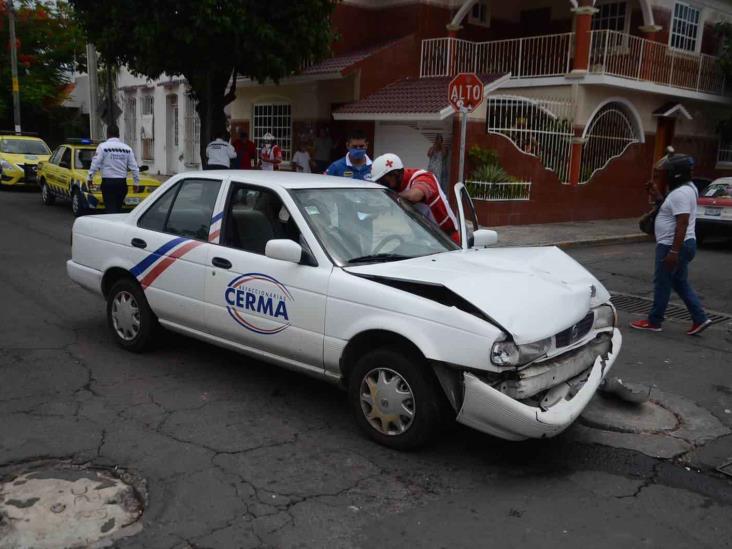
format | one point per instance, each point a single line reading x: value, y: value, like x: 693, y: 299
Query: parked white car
x: 342, y: 280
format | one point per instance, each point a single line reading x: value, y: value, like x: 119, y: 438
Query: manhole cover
x: 62, y: 505
x: 611, y: 414
x: 641, y: 305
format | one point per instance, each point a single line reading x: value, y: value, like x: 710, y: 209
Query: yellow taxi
x: 19, y: 158
x: 64, y: 176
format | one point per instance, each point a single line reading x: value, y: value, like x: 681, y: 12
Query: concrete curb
x: 605, y: 240
x: 586, y: 242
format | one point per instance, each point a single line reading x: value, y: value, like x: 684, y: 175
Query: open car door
x: 471, y: 235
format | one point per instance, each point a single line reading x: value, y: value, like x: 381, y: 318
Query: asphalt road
x: 236, y: 453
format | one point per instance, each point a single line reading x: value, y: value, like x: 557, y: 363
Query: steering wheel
x: 386, y: 240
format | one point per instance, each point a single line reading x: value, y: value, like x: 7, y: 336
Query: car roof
x: 290, y: 180
x: 724, y: 180
x: 25, y: 137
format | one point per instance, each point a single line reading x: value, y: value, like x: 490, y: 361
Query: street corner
x: 665, y: 426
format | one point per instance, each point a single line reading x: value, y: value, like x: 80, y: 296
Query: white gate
x: 608, y: 136
x: 540, y: 127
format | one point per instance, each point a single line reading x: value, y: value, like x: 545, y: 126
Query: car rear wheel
x: 78, y: 208
x: 129, y: 316
x: 395, y: 398
x: 47, y: 197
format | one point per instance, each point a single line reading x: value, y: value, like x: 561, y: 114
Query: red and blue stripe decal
x: 157, y: 262
x: 214, y: 231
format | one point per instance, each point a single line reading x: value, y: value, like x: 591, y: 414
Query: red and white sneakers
x: 645, y: 325
x: 699, y: 328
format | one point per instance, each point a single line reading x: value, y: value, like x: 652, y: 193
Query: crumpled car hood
x: 533, y: 293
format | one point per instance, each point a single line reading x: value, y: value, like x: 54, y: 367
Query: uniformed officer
x: 114, y: 159
x: 220, y: 152
x: 356, y: 164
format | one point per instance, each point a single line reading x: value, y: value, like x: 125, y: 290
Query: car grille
x: 30, y: 171
x: 575, y: 333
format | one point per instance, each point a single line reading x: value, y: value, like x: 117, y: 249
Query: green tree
x: 49, y: 44
x: 209, y: 42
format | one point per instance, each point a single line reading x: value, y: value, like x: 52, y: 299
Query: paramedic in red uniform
x: 418, y: 186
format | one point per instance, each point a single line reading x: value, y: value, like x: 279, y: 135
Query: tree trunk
x: 209, y: 90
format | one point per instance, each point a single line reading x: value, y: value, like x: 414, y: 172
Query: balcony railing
x: 528, y: 57
x: 627, y: 56
x: 611, y: 53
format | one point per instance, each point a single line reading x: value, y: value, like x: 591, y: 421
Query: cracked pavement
x: 237, y: 453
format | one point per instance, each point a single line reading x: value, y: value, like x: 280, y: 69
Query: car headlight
x: 7, y: 165
x: 605, y: 317
x: 507, y: 353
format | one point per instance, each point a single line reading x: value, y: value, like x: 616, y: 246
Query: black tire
x: 47, y: 197
x: 700, y: 237
x: 136, y: 341
x: 78, y: 208
x: 426, y: 403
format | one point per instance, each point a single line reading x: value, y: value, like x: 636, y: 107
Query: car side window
x: 254, y: 216
x: 56, y: 158
x: 184, y: 210
x: 66, y: 159
x: 155, y: 216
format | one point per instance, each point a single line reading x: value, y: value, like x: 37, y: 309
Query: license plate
x: 132, y: 201
x: 713, y: 212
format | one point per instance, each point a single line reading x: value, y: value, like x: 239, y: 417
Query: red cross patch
x: 389, y: 163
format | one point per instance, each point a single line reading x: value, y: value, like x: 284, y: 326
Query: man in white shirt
x: 675, y: 231
x: 220, y: 152
x: 301, y: 159
x: 114, y: 159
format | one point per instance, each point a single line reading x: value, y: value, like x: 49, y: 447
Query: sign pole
x: 14, y: 67
x: 463, y: 131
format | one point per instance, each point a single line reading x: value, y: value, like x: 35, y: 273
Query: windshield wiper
x: 377, y: 257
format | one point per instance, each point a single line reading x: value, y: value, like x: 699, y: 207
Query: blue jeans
x: 664, y: 281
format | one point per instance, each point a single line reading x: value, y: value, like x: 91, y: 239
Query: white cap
x: 384, y: 164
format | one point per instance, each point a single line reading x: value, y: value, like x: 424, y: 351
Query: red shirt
x: 246, y: 153
x: 434, y: 199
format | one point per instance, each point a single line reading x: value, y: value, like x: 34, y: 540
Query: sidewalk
x: 571, y: 234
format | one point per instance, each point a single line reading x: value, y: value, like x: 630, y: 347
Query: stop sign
x: 465, y: 90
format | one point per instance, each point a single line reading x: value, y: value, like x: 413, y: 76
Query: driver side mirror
x: 144, y: 168
x: 284, y: 250
x: 482, y: 238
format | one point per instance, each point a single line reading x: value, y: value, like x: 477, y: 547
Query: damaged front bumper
x: 491, y: 411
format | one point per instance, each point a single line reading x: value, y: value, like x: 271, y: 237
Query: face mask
x: 357, y: 154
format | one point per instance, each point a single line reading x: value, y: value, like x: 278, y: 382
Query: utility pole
x: 91, y: 68
x: 14, y: 66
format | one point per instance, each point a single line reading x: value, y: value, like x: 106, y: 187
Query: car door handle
x: 221, y: 262
x: 139, y: 243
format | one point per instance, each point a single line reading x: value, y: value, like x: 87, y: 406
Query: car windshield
x: 358, y: 226
x: 719, y: 190
x: 84, y: 158
x: 23, y: 146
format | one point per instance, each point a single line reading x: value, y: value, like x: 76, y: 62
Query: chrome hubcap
x: 75, y: 205
x: 126, y: 316
x: 387, y: 401
x: 44, y: 193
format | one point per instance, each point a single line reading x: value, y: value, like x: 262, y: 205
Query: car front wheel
x: 395, y: 398
x: 129, y: 316
x: 47, y: 197
x: 77, y: 203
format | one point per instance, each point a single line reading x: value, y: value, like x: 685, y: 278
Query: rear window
x: 84, y: 158
x: 718, y: 190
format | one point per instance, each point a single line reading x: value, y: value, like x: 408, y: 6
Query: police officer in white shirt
x: 220, y: 152
x: 114, y: 159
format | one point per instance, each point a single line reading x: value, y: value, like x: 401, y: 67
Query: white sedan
x: 342, y: 280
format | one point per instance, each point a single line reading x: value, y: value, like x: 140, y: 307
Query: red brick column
x: 582, y: 27
x: 452, y: 32
x: 575, y: 162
